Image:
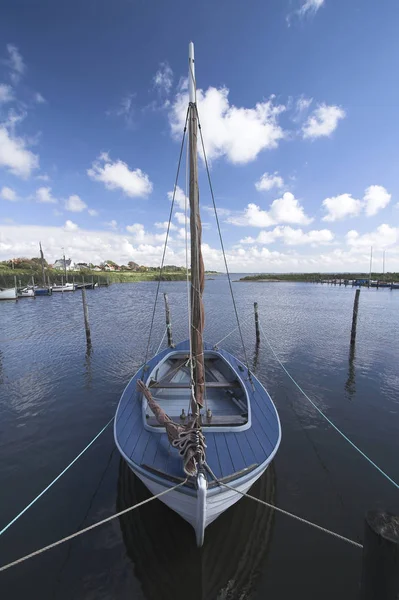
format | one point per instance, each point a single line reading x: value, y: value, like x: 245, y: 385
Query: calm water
x: 54, y: 398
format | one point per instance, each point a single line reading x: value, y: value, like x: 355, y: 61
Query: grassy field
x: 316, y: 277
x: 24, y: 277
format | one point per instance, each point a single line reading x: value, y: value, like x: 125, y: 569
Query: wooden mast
x: 197, y: 264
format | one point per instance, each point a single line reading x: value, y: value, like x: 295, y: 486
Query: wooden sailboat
x: 196, y: 414
x: 45, y: 290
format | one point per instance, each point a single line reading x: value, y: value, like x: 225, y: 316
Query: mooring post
x: 257, y: 323
x: 354, y: 317
x: 380, y: 563
x: 86, y: 317
x: 168, y: 323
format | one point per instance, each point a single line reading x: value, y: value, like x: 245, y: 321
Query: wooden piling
x: 168, y: 322
x: 257, y: 323
x: 86, y: 317
x: 380, y: 563
x: 354, y: 317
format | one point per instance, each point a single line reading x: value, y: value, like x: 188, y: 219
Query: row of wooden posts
x: 380, y: 563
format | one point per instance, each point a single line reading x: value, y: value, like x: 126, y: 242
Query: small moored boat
x: 194, y: 414
x: 64, y: 287
x: 8, y: 293
x: 27, y: 292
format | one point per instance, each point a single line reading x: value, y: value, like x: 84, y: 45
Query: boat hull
x: 8, y: 294
x: 43, y: 292
x: 63, y: 288
x: 192, y: 508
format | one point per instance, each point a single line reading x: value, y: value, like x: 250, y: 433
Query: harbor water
x: 55, y: 396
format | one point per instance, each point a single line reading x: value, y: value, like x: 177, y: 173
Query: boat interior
x: 225, y: 397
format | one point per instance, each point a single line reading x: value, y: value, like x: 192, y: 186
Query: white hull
x: 69, y: 287
x: 9, y: 294
x: 28, y: 293
x: 206, y: 506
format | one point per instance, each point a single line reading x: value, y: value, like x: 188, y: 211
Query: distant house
x: 69, y: 265
x: 96, y: 268
x: 82, y: 266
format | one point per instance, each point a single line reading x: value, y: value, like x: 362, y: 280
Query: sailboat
x: 194, y: 414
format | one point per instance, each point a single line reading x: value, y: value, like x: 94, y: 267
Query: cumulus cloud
x: 163, y: 78
x: 70, y: 226
x: 6, y: 93
x: 9, y: 194
x: 237, y: 133
x: 268, y: 182
x: 141, y: 236
x: 292, y: 237
x: 75, y: 204
x: 92, y: 212
x: 164, y: 225
x: 382, y: 237
x: 117, y: 175
x: 43, y: 177
x: 14, y: 156
x: 322, y: 122
x: 340, y: 207
x: 44, y: 195
x: 15, y: 63
x: 376, y: 198
x: 111, y: 224
x: 181, y: 218
x: 180, y: 197
x: 39, y: 98
x: 286, y: 209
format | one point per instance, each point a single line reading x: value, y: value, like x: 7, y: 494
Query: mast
x: 197, y: 264
x: 371, y: 262
x: 65, y: 269
x: 42, y: 261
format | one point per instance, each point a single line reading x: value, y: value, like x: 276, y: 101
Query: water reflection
x: 88, y: 369
x: 350, y: 385
x: 166, y: 560
x: 255, y: 359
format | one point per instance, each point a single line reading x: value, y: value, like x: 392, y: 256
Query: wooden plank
x: 226, y: 463
x: 211, y: 453
x: 236, y: 454
x: 217, y: 420
x: 208, y: 384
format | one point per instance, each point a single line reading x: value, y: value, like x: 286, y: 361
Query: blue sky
x: 298, y: 101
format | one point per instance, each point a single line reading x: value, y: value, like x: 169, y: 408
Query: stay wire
x: 167, y: 236
x: 222, y: 245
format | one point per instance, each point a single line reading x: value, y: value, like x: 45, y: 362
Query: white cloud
x: 16, y: 63
x: 292, y: 237
x: 39, y: 98
x: 44, y: 195
x: 117, y: 175
x: 181, y: 218
x: 8, y: 194
x: 125, y: 110
x: 303, y: 104
x: 340, y: 207
x: 238, y: 133
x: 283, y: 210
x: 43, y: 177
x: 141, y: 236
x: 6, y: 93
x: 14, y: 155
x: 376, y: 198
x: 163, y: 78
x: 92, y: 212
x: 164, y: 225
x: 268, y: 182
x: 179, y: 197
x: 70, y: 226
x: 323, y: 121
x: 310, y: 7
x: 382, y: 237
x: 75, y: 204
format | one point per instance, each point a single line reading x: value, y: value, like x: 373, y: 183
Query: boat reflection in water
x: 168, y: 562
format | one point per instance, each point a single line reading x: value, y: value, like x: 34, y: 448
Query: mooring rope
x: 86, y: 529
x: 341, y: 433
x: 56, y: 478
x: 293, y: 516
x: 231, y: 332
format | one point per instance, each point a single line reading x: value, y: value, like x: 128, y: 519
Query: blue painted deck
x: 226, y: 453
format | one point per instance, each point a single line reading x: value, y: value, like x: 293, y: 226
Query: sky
x: 298, y: 101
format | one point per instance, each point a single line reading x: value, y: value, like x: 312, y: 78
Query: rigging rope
x: 221, y: 243
x: 167, y: 236
x: 56, y: 478
x: 288, y: 514
x: 86, y: 529
x: 341, y: 433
